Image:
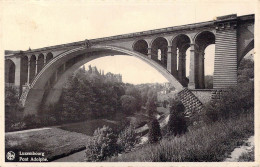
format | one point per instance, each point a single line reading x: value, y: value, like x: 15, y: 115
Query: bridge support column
x: 149, y: 53
x: 191, y: 84
x: 201, y: 70
x: 56, y: 76
x: 225, y: 68
x: 36, y: 64
x: 44, y: 59
x: 28, y: 75
x: 171, y: 60
x: 64, y: 67
x: 180, y: 67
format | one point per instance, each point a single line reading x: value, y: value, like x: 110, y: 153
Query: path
x: 25, y: 131
x: 237, y: 152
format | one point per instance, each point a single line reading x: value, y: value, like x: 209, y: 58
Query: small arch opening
x: 49, y: 56
x: 159, y: 50
x: 9, y: 71
x: 141, y: 46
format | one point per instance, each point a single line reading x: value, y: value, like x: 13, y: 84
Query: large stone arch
x: 36, y: 91
x: 9, y: 71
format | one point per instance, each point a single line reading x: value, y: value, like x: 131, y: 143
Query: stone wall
x: 204, y: 95
x: 190, y: 101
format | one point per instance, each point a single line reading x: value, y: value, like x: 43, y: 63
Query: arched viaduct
x: 41, y: 72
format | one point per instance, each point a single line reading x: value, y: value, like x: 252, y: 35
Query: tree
x: 154, y: 134
x: 127, y: 139
x: 177, y: 124
x: 151, y: 106
x: 13, y: 108
x: 129, y: 103
x: 132, y: 91
x: 102, y: 145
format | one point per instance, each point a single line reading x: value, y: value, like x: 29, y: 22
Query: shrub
x: 13, y: 109
x: 232, y: 103
x: 102, y: 145
x: 177, y: 123
x: 127, y: 139
x: 211, y: 143
x: 154, y: 134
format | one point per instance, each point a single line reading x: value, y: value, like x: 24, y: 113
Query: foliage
x: 134, y: 92
x: 102, y: 145
x: 235, y: 100
x: 154, y: 134
x: 127, y: 139
x: 211, y: 143
x: 151, y: 103
x: 208, y: 82
x: 129, y: 103
x: 177, y: 123
x: 13, y: 110
x: 87, y: 96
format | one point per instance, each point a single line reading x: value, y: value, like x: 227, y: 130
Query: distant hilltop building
x: 109, y: 77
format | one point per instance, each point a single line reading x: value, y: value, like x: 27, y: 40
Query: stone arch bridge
x: 39, y: 74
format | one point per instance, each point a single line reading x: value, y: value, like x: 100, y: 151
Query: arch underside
x: 73, y: 59
x: 247, y: 49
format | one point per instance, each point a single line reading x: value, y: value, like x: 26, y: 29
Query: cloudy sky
x: 42, y: 23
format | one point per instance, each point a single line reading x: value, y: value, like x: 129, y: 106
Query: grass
x: 87, y: 127
x: 211, y: 143
x: 56, y: 143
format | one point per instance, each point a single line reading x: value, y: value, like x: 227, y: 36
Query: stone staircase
x: 190, y: 101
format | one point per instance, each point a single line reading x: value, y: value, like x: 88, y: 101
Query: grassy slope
x: 87, y: 127
x: 54, y: 142
x: 210, y: 143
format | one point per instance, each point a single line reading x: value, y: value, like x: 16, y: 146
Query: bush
x: 177, y: 123
x: 154, y: 134
x: 127, y: 139
x: 102, y: 145
x: 233, y: 102
x: 13, y: 109
x: 211, y: 143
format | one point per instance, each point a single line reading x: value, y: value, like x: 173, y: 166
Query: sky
x: 43, y: 23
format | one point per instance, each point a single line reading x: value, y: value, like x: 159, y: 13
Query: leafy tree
x: 154, y: 134
x: 144, y: 93
x: 127, y: 139
x: 151, y: 106
x: 177, y: 124
x: 132, y: 91
x: 13, y: 108
x: 102, y: 145
x: 129, y: 103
